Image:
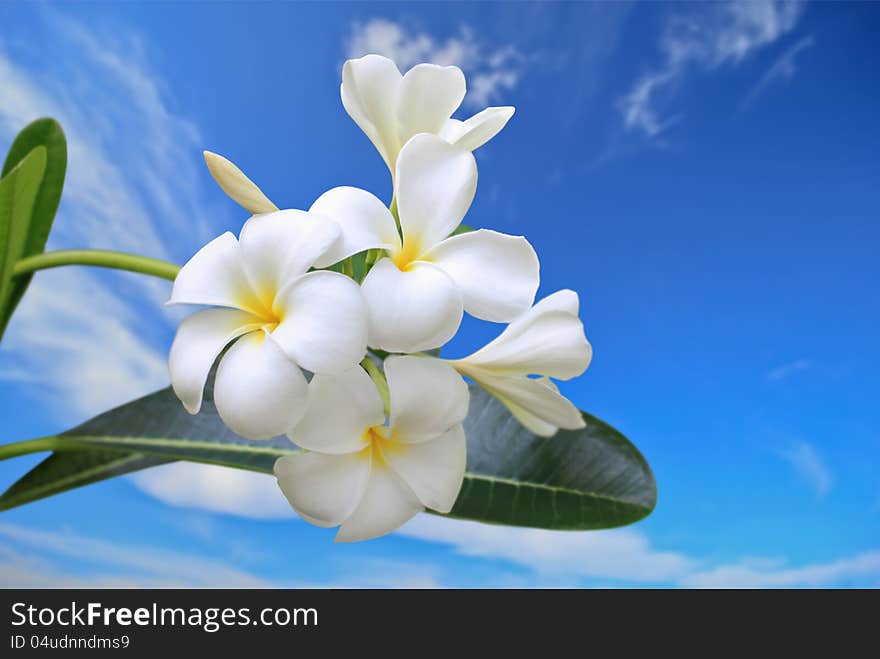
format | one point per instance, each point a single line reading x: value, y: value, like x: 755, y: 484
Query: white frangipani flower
x: 416, y: 295
x: 370, y: 476
x: 391, y: 108
x: 276, y: 316
x: 548, y: 340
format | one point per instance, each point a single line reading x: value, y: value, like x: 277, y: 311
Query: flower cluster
x: 378, y: 446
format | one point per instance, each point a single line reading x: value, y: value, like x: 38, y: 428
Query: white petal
x: 479, y: 129
x: 546, y: 340
x: 411, y: 311
x: 428, y: 397
x: 429, y: 94
x: 436, y: 183
x: 565, y: 300
x: 386, y: 505
x: 238, y: 186
x: 200, y: 338
x: 370, y: 89
x: 531, y: 422
x: 539, y: 407
x: 277, y: 247
x: 323, y: 322
x: 452, y: 130
x: 434, y: 470
x: 258, y: 391
x: 215, y: 276
x: 340, y: 410
x: 365, y: 223
x: 324, y: 489
x: 497, y: 274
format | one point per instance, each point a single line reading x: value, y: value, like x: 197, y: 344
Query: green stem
x: 50, y: 443
x: 381, y: 383
x: 347, y: 268
x: 393, y: 209
x: 97, y: 257
x: 373, y: 255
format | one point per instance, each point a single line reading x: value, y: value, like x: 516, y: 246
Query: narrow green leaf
x: 71, y: 469
x: 462, y: 228
x: 586, y: 479
x: 18, y: 193
x: 48, y: 135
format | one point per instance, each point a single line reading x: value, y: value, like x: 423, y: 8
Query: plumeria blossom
x: 274, y: 316
x: 370, y: 474
x: 416, y: 294
x: 548, y: 341
x: 391, y: 108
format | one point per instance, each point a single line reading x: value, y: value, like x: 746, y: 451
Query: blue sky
x: 706, y: 177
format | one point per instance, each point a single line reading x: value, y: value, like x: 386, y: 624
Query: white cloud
x: 807, y: 463
x: 131, y: 186
x: 782, y: 372
x: 626, y: 555
x: 861, y: 566
x: 622, y: 554
x: 37, y: 558
x: 105, y: 564
x: 216, y: 489
x: 782, y: 69
x: 491, y: 71
x: 704, y: 39
x: 637, y: 107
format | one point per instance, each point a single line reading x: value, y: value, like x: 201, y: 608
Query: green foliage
x: 18, y: 192
x: 68, y: 470
x: 30, y: 190
x: 586, y: 479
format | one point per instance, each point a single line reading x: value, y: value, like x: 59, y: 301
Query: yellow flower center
x: 411, y: 251
x: 263, y: 307
x: 381, y: 440
x: 268, y: 318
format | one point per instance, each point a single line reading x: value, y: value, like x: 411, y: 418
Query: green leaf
x: 591, y: 478
x: 587, y: 479
x: 18, y: 193
x: 67, y: 470
x: 34, y: 226
x: 462, y: 228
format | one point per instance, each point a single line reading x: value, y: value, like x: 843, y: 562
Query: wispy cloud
x: 784, y: 371
x: 38, y: 558
x: 31, y: 558
x: 492, y: 70
x: 835, y: 573
x: 132, y: 185
x: 704, y: 38
x: 624, y: 554
x: 215, y: 489
x: 627, y: 556
x: 808, y: 464
x: 783, y: 69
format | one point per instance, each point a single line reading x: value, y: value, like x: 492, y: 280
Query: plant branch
x: 50, y: 443
x: 381, y: 383
x: 97, y: 257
